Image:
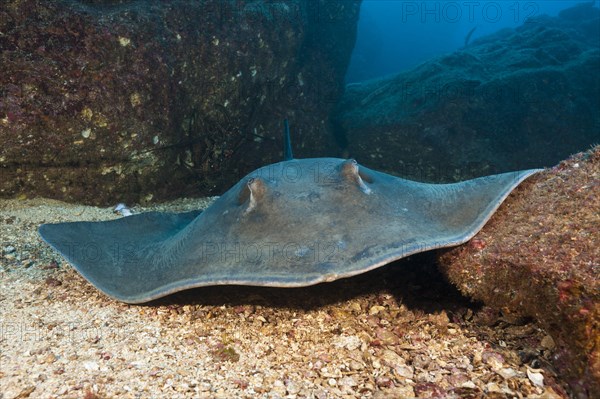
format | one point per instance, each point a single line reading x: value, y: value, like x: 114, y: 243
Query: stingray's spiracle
x: 351, y: 171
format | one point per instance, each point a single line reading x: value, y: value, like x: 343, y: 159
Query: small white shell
x: 535, y: 377
x: 122, y: 210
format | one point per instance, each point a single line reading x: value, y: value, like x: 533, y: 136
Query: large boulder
x: 517, y: 99
x: 106, y: 101
x: 539, y: 256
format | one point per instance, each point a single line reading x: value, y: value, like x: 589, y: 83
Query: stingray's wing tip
x: 46, y: 232
x: 530, y: 172
x: 523, y: 175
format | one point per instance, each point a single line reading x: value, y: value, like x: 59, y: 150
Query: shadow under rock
x: 415, y: 282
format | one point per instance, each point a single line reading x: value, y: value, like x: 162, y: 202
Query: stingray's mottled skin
x: 294, y: 223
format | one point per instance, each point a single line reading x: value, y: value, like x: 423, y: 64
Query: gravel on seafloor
x: 398, y: 332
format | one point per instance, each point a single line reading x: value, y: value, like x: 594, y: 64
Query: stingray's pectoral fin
x: 110, y: 254
x: 461, y: 209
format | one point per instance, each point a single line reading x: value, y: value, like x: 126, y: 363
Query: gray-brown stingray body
x: 289, y: 224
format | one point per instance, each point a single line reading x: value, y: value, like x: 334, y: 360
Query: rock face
x: 517, y: 99
x: 539, y: 256
x: 107, y: 101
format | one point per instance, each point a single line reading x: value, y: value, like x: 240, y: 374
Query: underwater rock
x: 127, y: 101
x: 539, y: 257
x: 517, y: 99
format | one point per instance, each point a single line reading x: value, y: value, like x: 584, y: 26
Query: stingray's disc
x: 289, y: 224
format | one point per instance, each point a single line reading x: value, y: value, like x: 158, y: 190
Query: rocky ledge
x: 104, y: 101
x: 518, y: 99
x: 539, y: 256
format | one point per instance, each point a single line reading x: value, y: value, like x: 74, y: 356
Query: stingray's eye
x: 367, y: 177
x: 244, y: 193
x: 350, y: 171
x: 349, y: 168
x: 252, y: 191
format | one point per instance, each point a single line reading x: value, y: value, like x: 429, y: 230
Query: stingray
x: 294, y: 223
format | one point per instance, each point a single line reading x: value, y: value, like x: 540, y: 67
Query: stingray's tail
x: 287, y: 143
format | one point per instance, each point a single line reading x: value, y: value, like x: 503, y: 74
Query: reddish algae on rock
x: 539, y: 256
x: 126, y: 101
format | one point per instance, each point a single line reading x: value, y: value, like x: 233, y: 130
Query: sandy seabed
x: 397, y: 332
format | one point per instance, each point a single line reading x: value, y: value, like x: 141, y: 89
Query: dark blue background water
x: 395, y: 35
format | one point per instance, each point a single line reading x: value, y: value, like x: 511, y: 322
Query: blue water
x: 396, y: 35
